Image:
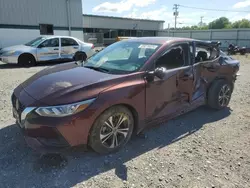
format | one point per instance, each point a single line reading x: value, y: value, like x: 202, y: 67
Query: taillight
x: 92, y: 46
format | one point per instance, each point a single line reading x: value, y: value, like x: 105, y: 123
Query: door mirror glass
x: 159, y: 72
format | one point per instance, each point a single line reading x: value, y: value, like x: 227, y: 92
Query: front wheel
x: 26, y: 60
x: 219, y: 94
x: 112, y: 130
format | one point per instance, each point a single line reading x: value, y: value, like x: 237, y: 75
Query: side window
x: 201, y: 54
x: 173, y: 58
x: 206, y: 53
x: 50, y: 43
x: 68, y: 42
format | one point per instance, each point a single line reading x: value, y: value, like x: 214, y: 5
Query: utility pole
x: 169, y: 29
x: 176, y: 13
x: 201, y: 23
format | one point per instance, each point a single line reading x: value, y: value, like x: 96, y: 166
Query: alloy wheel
x: 224, y: 95
x: 115, y: 130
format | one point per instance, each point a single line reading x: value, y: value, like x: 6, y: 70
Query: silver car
x: 46, y: 48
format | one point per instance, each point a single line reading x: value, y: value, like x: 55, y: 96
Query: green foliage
x: 221, y: 23
x: 244, y: 23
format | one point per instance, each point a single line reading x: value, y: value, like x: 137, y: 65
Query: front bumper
x: 9, y: 59
x: 39, y: 137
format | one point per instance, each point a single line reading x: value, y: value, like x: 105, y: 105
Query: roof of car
x: 56, y: 36
x: 163, y: 40
x: 159, y: 40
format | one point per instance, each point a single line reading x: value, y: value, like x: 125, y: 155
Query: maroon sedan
x: 119, y: 91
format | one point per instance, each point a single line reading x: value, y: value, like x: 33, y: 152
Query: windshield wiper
x: 97, y: 68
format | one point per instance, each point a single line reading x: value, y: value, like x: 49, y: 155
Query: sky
x: 163, y: 10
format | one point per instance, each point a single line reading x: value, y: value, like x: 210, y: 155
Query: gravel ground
x: 204, y: 148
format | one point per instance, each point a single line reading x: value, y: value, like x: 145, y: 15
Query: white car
x: 46, y: 48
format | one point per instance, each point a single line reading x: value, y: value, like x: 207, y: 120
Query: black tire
x: 99, y: 127
x: 215, y: 94
x: 26, y: 60
x: 243, y: 52
x: 80, y: 56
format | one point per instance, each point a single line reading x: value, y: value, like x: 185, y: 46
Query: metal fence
x: 240, y: 37
x: 96, y: 38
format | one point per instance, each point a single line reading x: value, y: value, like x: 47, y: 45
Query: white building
x: 24, y: 20
x: 111, y: 27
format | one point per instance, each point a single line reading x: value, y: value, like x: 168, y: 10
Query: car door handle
x: 75, y: 47
x: 56, y: 48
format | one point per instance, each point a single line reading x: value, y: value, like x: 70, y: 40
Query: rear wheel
x: 112, y: 130
x: 80, y: 56
x: 26, y: 60
x: 243, y: 52
x: 219, y: 94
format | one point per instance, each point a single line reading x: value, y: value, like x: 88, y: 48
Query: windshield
x: 35, y: 42
x: 122, y: 57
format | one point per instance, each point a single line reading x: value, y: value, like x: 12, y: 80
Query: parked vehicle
x: 119, y: 38
x: 120, y: 90
x: 46, y: 48
x: 232, y: 50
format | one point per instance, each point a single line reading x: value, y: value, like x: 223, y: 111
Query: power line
x: 218, y: 10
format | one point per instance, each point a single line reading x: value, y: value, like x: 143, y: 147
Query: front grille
x: 21, y: 107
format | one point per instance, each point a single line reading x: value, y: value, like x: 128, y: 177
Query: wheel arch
x: 215, y: 80
x: 78, y: 53
x: 130, y: 108
x: 26, y: 53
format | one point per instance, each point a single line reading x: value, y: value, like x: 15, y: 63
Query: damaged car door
x: 206, y: 66
x: 172, y: 85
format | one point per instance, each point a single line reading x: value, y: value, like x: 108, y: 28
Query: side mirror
x: 159, y: 72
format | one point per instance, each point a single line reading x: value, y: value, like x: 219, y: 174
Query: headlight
x: 9, y: 52
x: 63, y: 110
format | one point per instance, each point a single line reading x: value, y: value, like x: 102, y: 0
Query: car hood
x: 67, y: 83
x: 16, y: 48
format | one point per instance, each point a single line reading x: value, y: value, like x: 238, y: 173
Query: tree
x: 204, y: 27
x: 185, y: 28
x: 194, y: 27
x: 244, y: 23
x: 219, y: 23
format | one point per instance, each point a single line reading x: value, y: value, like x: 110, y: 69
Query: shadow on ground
x: 21, y: 167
